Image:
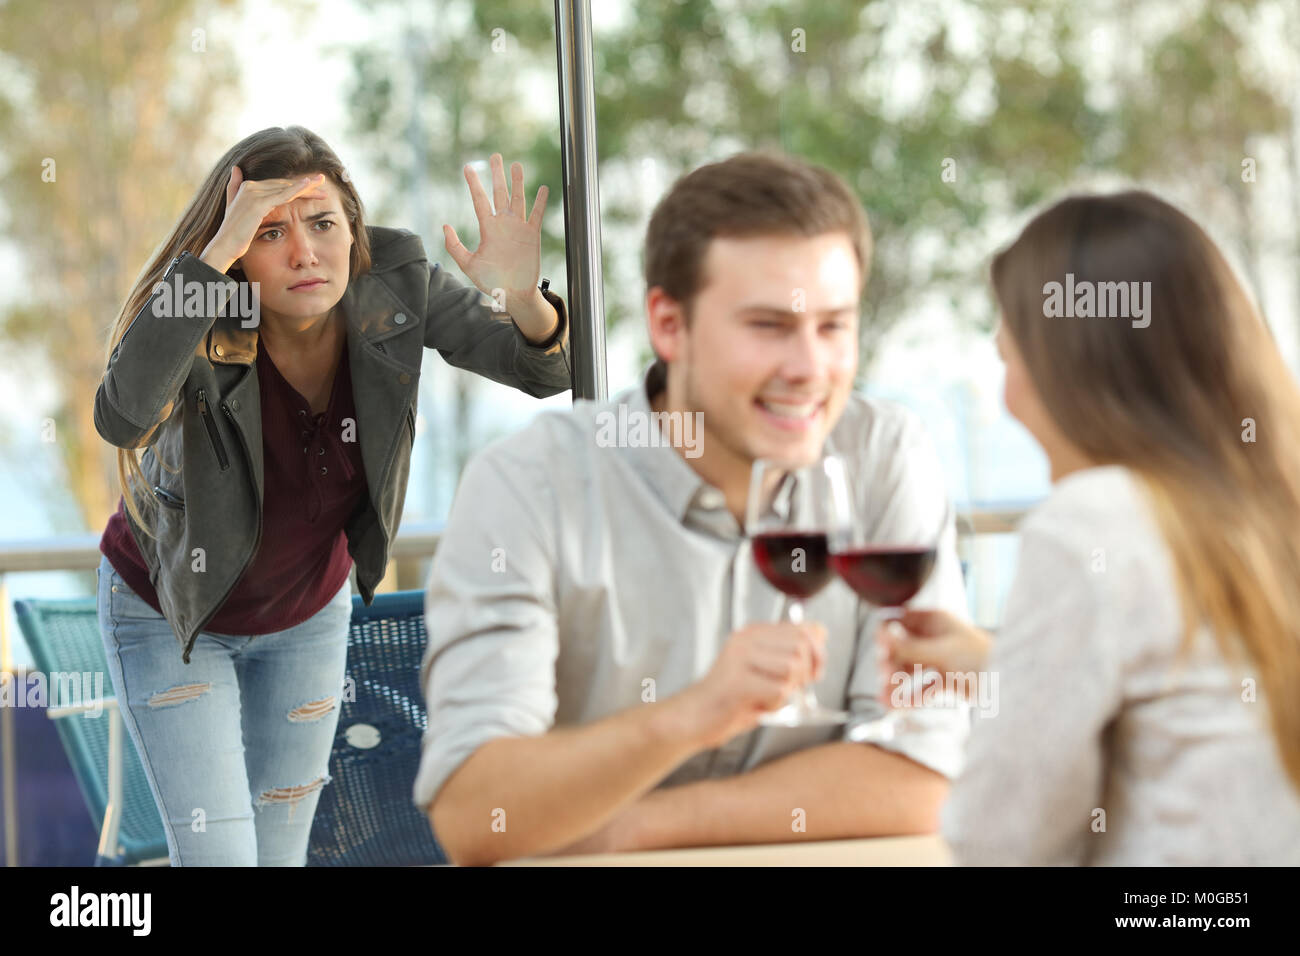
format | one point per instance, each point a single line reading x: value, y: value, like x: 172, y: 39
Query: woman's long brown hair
x: 1171, y: 401
x: 273, y: 153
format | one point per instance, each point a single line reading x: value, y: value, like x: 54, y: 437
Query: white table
x: 877, y: 851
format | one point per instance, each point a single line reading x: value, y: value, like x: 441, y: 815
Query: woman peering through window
x: 261, y: 455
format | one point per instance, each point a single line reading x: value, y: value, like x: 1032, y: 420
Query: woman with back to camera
x: 1147, y: 666
x: 277, y: 445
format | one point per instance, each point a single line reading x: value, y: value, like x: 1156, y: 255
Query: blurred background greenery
x: 951, y: 118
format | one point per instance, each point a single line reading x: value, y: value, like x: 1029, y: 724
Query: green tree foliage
x: 105, y: 117
x: 1011, y: 99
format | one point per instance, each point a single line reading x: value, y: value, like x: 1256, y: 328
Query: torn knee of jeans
x: 179, y: 694
x: 291, y: 795
x: 314, y: 710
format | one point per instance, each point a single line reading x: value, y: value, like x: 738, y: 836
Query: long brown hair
x: 1178, y: 402
x: 273, y: 153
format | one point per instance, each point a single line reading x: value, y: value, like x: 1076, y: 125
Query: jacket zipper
x: 167, y: 498
x: 257, y: 540
x: 211, y: 427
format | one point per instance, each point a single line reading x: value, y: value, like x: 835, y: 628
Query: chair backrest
x: 64, y: 638
x: 366, y: 816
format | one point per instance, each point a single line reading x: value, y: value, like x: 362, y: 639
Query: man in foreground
x: 601, y: 643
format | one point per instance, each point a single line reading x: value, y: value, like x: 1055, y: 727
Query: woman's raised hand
x: 508, y: 257
x: 247, y: 204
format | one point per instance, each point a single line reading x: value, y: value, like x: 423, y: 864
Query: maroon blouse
x: 313, y: 482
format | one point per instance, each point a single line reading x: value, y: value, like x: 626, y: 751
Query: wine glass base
x: 795, y: 715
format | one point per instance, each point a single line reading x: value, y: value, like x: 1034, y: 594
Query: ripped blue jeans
x: 236, y: 743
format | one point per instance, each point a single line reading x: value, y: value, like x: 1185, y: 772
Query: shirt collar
x: 663, y: 467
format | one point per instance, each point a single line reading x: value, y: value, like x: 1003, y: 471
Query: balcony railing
x: 80, y: 552
x: 414, y: 545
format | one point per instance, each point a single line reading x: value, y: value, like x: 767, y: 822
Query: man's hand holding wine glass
x: 760, y: 666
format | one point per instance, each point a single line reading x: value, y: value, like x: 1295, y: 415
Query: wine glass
x: 885, y: 571
x: 786, y: 519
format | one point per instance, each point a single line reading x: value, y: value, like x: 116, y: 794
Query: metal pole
x: 581, y: 198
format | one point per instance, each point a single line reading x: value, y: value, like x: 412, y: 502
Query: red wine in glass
x: 883, y: 573
x: 794, y: 562
x: 886, y: 576
x: 787, y: 515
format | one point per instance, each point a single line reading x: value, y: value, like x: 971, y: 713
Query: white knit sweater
x: 1102, y: 751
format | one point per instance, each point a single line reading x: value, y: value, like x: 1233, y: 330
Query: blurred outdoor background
x: 953, y: 119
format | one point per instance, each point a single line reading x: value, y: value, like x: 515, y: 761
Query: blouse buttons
x: 323, y: 470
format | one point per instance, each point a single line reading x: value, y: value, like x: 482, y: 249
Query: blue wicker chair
x: 63, y: 637
x: 364, y: 818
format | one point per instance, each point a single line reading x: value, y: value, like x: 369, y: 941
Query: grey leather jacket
x: 402, y: 306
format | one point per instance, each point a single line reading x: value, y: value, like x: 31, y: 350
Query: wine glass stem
x: 887, y: 614
x: 807, y: 699
x: 794, y: 611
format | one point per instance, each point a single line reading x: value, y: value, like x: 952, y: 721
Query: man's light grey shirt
x: 576, y: 579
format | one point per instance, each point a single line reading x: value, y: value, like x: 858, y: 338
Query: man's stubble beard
x: 734, y: 445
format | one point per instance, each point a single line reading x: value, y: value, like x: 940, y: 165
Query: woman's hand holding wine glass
x: 886, y: 570
x: 935, y: 640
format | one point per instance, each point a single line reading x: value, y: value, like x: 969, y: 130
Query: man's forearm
x: 522, y: 796
x: 828, y: 792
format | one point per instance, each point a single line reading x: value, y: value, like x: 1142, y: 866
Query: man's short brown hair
x: 749, y: 194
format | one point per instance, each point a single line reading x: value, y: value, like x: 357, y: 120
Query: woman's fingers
x: 902, y: 649
x: 455, y: 248
x: 303, y: 193
x: 500, y: 198
x: 960, y: 649
x: 513, y: 201
x: 286, y: 190
x: 539, y: 207
x: 232, y: 186
x: 248, y: 201
x: 268, y: 186
x: 517, y: 190
x: 297, y: 187
x: 929, y: 622
x: 477, y: 195
x: 905, y: 651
